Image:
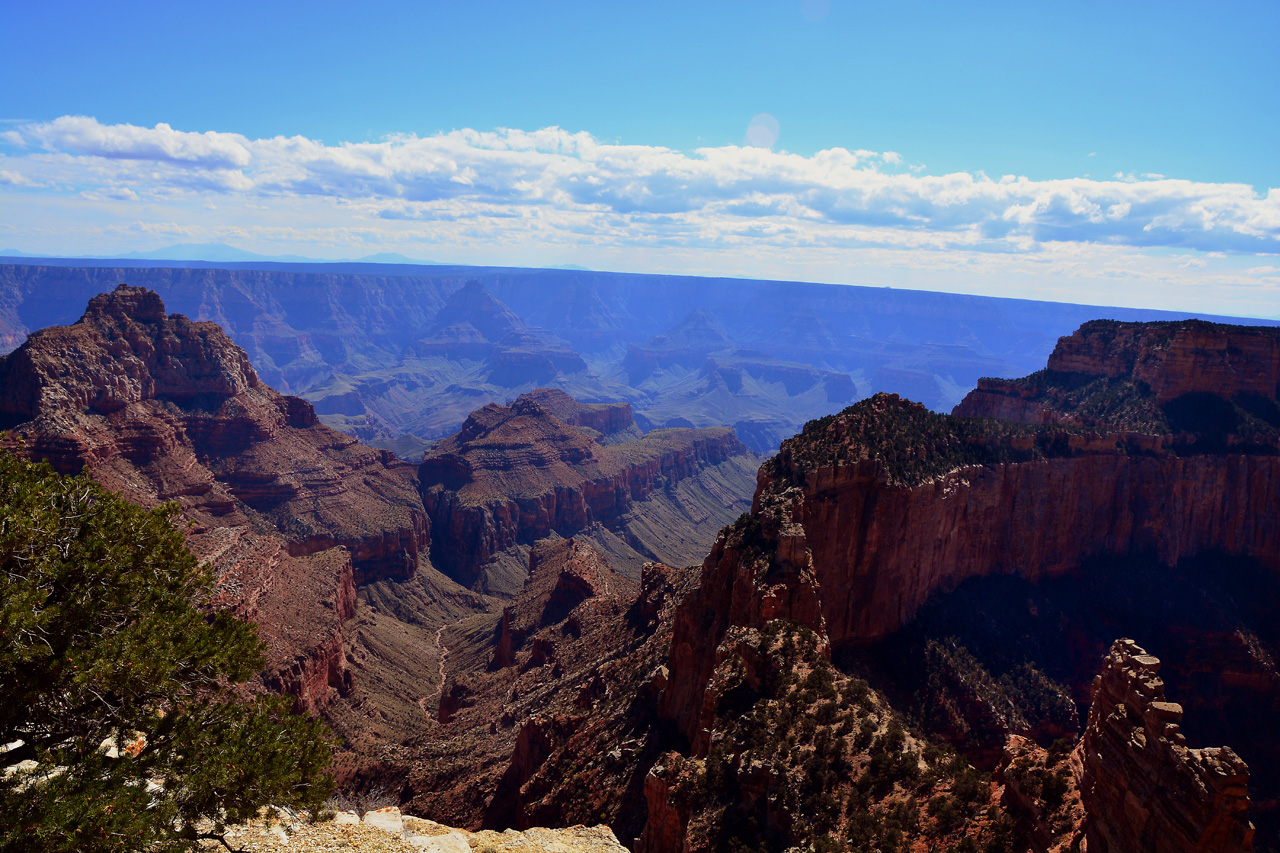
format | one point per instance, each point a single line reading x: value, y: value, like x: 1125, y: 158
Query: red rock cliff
x: 160, y: 408
x: 1143, y: 788
x: 870, y: 512
x: 880, y: 550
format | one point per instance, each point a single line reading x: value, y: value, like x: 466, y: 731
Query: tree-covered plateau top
x: 913, y: 444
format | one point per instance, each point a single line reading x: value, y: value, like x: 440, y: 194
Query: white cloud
x: 569, y: 186
x: 16, y: 179
x: 116, y: 193
x: 84, y: 135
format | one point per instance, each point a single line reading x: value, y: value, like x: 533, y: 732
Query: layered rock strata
x: 563, y: 573
x: 880, y: 549
x: 290, y: 514
x: 516, y: 474
x: 862, y: 532
x: 611, y: 422
x: 1143, y: 788
x: 547, y: 725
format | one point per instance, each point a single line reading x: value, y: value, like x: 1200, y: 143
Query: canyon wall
x: 864, y: 516
x: 879, y: 551
x: 1160, y: 361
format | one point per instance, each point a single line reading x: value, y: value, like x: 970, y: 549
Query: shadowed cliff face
x: 897, y: 503
x: 160, y: 408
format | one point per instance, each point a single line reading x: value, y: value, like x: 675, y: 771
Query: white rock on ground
x: 450, y: 842
x: 387, y: 819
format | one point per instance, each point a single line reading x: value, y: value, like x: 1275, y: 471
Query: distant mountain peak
x: 473, y: 305
x: 394, y: 258
x: 697, y: 331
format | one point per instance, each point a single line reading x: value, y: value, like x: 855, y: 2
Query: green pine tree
x: 102, y: 639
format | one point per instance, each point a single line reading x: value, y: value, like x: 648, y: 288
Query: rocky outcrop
x: 551, y: 724
x: 866, y: 515
x: 290, y: 514
x: 1102, y: 372
x: 1143, y: 788
x: 388, y: 830
x: 518, y: 474
x: 758, y: 570
x: 880, y: 550
x: 563, y: 573
x: 1038, y: 788
x: 613, y: 422
x: 1177, y: 358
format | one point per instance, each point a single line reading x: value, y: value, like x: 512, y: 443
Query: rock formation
x: 874, y: 510
x: 881, y: 548
x: 1039, y: 789
x: 290, y: 514
x: 1131, y: 376
x: 540, y: 694
x: 473, y: 326
x: 563, y: 573
x: 609, y: 423
x: 866, y: 515
x: 517, y: 474
x: 388, y: 830
x: 1143, y: 788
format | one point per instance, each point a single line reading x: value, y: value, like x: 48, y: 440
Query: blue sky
x: 1139, y: 140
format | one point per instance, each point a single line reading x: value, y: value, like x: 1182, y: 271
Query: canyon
x: 298, y: 521
x: 872, y: 514
x: 566, y: 613
x: 399, y: 355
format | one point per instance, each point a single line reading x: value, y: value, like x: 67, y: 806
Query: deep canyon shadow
x: 1003, y: 654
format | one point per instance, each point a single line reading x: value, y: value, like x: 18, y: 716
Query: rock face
x: 1142, y: 787
x: 1033, y: 503
x: 611, y: 422
x: 1126, y: 375
x: 758, y: 571
x: 866, y: 515
x: 549, y: 695
x: 517, y: 474
x: 1178, y: 358
x: 388, y: 830
x: 563, y: 573
x: 290, y: 514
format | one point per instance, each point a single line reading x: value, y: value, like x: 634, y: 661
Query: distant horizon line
x: 139, y: 260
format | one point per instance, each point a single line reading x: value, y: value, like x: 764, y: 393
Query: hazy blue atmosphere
x: 1088, y: 153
